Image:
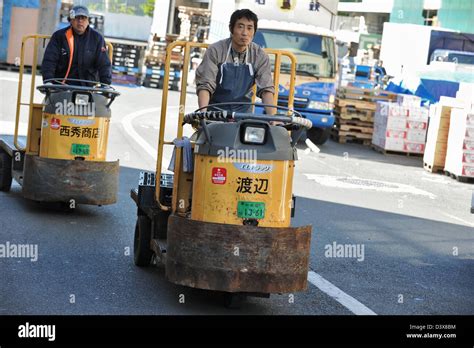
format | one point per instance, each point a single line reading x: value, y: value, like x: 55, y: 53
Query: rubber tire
x: 142, y: 254
x: 318, y: 135
x: 5, y: 172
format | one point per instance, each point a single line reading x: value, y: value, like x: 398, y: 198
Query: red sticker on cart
x: 219, y: 176
x: 55, y: 123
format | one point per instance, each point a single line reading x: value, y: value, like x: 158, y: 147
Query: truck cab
x: 315, y: 50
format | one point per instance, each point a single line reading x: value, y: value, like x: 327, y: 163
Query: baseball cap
x: 78, y: 11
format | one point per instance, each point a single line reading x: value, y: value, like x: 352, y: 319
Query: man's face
x: 243, y: 32
x: 79, y: 24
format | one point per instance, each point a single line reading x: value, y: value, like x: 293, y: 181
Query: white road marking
x: 459, y: 219
x: 325, y: 164
x: 352, y: 182
x: 340, y: 296
x: 128, y: 128
x: 437, y: 180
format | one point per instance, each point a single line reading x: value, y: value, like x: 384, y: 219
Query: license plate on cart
x: 80, y: 149
x: 250, y: 210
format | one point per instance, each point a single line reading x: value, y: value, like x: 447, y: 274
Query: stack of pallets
x: 155, y: 64
x: 127, y: 62
x: 355, y: 109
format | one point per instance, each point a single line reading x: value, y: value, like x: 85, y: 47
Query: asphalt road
x: 414, y: 228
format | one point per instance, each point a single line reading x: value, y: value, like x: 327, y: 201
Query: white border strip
x: 340, y: 296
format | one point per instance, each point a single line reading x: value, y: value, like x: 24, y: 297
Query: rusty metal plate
x: 87, y: 182
x: 237, y: 258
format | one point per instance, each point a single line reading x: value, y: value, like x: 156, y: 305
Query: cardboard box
x: 460, y: 136
x: 438, y: 131
x: 408, y: 99
x: 416, y: 135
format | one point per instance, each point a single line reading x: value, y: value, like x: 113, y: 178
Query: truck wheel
x: 319, y: 135
x: 142, y: 253
x: 5, y: 171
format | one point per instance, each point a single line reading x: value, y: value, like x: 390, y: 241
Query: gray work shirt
x: 206, y: 73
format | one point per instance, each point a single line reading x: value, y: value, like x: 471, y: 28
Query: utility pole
x: 48, y: 21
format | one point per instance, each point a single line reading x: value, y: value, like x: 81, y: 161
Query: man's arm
x: 203, y: 98
x: 51, y: 58
x: 267, y: 98
x: 104, y: 67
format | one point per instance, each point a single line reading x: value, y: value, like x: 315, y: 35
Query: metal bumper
x: 235, y: 258
x: 86, y: 182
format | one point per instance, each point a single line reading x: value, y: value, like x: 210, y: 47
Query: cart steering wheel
x: 56, y: 85
x: 293, y: 121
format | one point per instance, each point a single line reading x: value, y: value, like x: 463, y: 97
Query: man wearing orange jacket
x: 77, y: 52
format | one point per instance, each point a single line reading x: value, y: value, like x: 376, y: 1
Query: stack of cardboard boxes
x: 460, y: 152
x: 401, y: 126
x: 450, y: 143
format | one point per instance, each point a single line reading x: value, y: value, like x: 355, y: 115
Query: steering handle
x: 56, y: 84
x: 225, y: 116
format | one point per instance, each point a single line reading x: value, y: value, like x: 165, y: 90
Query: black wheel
x: 5, y: 171
x: 142, y: 254
x: 234, y: 300
x: 319, y: 135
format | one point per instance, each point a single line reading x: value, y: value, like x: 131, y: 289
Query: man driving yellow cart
x: 222, y: 222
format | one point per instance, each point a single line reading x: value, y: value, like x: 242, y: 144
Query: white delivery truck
x: 411, y: 48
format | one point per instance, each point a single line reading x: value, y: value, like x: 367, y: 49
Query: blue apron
x: 234, y: 84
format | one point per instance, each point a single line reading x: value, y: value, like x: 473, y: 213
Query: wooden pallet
x: 459, y: 178
x: 357, y: 104
x: 391, y: 152
x: 355, y: 129
x: 433, y: 169
x: 365, y: 94
x: 358, y: 123
x: 343, y: 137
x: 348, y: 113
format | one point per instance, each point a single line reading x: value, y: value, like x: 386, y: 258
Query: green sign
x: 80, y: 149
x: 250, y: 210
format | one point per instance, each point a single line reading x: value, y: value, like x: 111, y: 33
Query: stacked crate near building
x: 355, y: 108
x: 400, y: 127
x: 155, y: 59
x: 127, y: 61
x: 437, y: 140
x: 460, y: 151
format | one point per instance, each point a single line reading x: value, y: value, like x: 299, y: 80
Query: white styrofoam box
x: 416, y: 135
x: 396, y: 133
x: 466, y: 92
x: 468, y: 145
x: 470, y: 133
x: 411, y: 124
x: 438, y: 130
x: 468, y: 157
x: 408, y: 99
x: 470, y: 120
x: 391, y: 144
x: 468, y: 170
x: 413, y: 147
x: 396, y: 122
x: 460, y: 139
